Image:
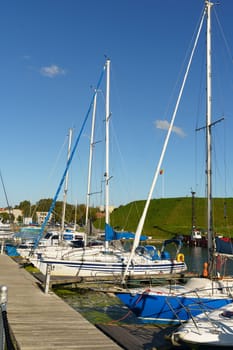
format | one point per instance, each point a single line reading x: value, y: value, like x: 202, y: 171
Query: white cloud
x: 163, y: 124
x: 26, y: 57
x: 52, y: 71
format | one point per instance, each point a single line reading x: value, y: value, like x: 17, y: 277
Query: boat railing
x: 222, y: 289
x: 200, y: 305
x: 204, y: 311
x: 173, y: 310
x: 80, y: 252
x: 186, y: 308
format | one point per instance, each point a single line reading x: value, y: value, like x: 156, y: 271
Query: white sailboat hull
x: 6, y: 234
x: 106, y: 265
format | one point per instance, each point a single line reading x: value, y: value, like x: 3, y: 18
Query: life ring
x: 180, y: 257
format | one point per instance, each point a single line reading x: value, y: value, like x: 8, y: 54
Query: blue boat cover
x: 112, y: 235
x: 224, y: 245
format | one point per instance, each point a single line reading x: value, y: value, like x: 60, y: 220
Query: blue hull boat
x: 152, y: 307
x: 174, y: 304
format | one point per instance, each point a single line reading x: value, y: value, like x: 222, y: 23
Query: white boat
x: 5, y: 230
x: 4, y: 227
x: 6, y: 234
x: 209, y: 329
x: 173, y: 304
x: 99, y: 262
x: 109, y: 260
x: 50, y: 245
x: 196, y: 235
x: 55, y: 242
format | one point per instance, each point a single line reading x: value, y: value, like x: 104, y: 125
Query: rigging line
x: 68, y: 164
x: 183, y: 65
x: 224, y: 159
x: 227, y: 47
x: 143, y: 217
x: 225, y: 176
x: 116, y: 141
x: 4, y: 189
x: 198, y: 182
x: 223, y: 35
x: 52, y: 171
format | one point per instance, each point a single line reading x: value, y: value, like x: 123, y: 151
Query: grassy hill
x: 169, y: 216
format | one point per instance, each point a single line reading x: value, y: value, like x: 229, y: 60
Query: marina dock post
x: 47, y: 278
x: 2, y: 246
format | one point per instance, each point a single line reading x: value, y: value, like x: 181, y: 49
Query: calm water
x: 196, y: 256
x: 99, y: 307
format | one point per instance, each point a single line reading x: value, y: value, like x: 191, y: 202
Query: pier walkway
x: 42, y: 321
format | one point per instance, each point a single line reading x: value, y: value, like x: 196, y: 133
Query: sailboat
x: 173, y: 304
x: 3, y: 226
x: 110, y: 260
x: 54, y: 241
x: 5, y: 230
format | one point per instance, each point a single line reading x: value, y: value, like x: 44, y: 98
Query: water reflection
x: 196, y: 256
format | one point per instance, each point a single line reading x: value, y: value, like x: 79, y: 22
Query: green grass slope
x: 170, y: 216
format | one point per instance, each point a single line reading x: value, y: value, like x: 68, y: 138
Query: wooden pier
x: 40, y: 321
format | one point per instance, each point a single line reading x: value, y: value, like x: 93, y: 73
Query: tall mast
x: 193, y: 211
x: 90, y: 158
x: 107, y: 117
x: 66, y: 184
x: 145, y: 210
x: 208, y: 137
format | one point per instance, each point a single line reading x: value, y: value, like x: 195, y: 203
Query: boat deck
x: 44, y: 321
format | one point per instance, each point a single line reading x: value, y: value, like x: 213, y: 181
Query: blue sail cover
x: 177, y: 242
x: 224, y: 245
x: 112, y: 235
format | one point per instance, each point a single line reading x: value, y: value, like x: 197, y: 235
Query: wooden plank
x: 139, y: 337
x: 121, y: 336
x: 44, y: 321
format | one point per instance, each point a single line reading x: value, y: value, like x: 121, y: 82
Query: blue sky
x: 52, y: 54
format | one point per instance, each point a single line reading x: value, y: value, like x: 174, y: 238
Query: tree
x: 44, y: 204
x: 20, y: 219
x: 25, y: 206
x: 6, y: 217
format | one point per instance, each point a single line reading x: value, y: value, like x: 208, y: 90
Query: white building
x: 41, y: 215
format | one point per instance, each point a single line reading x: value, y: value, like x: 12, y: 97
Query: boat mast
x: 8, y: 205
x: 145, y: 210
x: 66, y: 186
x: 75, y: 216
x: 90, y: 158
x: 193, y: 211
x: 106, y: 175
x: 208, y: 138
